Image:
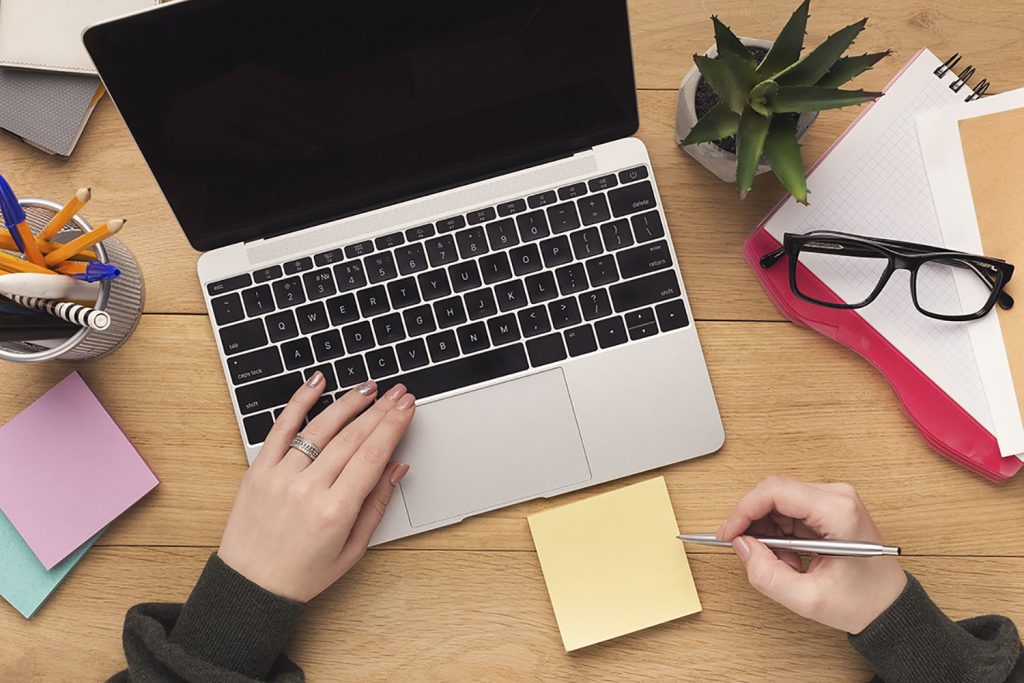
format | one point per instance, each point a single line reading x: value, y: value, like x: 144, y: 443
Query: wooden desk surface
x: 468, y: 602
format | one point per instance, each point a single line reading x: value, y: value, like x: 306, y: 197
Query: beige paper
x: 994, y: 154
x: 613, y: 564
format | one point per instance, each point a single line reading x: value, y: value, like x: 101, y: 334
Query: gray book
x: 47, y: 109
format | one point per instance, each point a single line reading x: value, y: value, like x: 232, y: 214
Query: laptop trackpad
x: 491, y: 447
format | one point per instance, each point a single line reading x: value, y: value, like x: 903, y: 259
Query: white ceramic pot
x: 710, y: 155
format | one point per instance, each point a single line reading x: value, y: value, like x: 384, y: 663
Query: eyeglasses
x: 944, y: 284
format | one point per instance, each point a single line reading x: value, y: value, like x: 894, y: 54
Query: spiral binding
x: 960, y: 81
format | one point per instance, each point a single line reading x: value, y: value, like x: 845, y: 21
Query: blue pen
x: 97, y: 271
x: 12, y: 212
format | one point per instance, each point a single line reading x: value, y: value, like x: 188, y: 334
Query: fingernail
x: 739, y: 544
x: 395, y: 392
x: 406, y: 402
x: 314, y: 380
x: 399, y: 473
x: 366, y: 388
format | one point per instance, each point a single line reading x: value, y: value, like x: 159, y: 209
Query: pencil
x: 66, y: 310
x: 31, y: 249
x: 60, y: 219
x: 20, y: 265
x: 83, y: 241
x: 7, y: 242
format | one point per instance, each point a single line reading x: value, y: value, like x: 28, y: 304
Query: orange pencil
x: 83, y: 242
x: 60, y: 219
x: 19, y: 265
x: 31, y: 248
x: 7, y: 242
x: 71, y: 267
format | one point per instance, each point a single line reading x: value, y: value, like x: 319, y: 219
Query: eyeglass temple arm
x: 772, y: 257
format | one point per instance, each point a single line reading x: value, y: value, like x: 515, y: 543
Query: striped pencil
x: 66, y: 310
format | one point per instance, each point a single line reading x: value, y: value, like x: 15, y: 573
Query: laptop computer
x: 445, y: 195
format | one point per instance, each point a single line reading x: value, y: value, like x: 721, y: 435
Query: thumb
x: 770, y: 576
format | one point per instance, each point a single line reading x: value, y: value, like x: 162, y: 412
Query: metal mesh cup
x: 121, y: 297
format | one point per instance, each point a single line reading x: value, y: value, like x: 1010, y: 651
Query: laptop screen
x: 258, y: 117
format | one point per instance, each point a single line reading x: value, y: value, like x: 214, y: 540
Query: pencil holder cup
x: 121, y: 297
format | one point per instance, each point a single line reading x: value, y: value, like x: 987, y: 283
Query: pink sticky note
x: 67, y: 471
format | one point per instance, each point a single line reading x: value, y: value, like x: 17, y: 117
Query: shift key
x: 267, y: 394
x: 647, y: 258
x: 644, y: 291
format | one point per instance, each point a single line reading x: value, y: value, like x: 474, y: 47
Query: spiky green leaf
x: 720, y: 122
x: 726, y: 41
x: 809, y: 69
x: 848, y: 68
x: 723, y: 81
x: 759, y: 97
x: 801, y: 98
x: 782, y: 151
x: 749, y: 146
x: 788, y: 45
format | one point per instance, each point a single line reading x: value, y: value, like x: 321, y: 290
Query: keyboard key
x: 571, y: 278
x: 502, y: 234
x: 227, y: 309
x: 593, y: 209
x: 555, y: 251
x: 351, y: 371
x: 602, y: 270
x: 257, y: 427
x: 357, y: 336
x: 525, y: 259
x: 509, y: 208
x: 480, y: 304
x: 329, y: 258
x: 442, y: 347
x: 449, y: 312
x: 643, y: 316
x: 281, y: 326
x: 390, y: 240
x: 504, y: 329
x: 464, y: 276
x: 472, y: 242
x: 672, y: 315
x: 473, y: 338
x: 580, y: 340
x: 644, y: 259
x: 605, y: 182
x: 372, y: 301
x: 434, y: 284
x: 381, y: 267
x: 542, y: 199
x: 648, y: 226
x: 412, y: 354
x: 532, y: 226
x: 267, y: 394
x: 349, y: 275
x: 358, y: 249
x: 645, y: 291
x: 643, y: 331
x: 329, y: 385
x: 298, y: 266
x: 610, y: 332
x: 572, y: 191
x: 258, y: 300
x: 586, y: 243
x: 342, y: 309
x: 411, y: 259
x: 325, y: 401
x: 403, y: 292
x: 256, y: 365
x: 388, y: 329
x: 563, y: 217
x: 541, y: 287
x: 421, y: 232
x: 546, y: 350
x: 564, y: 312
x: 419, y: 320
x: 510, y: 295
x: 319, y: 284
x: 312, y: 318
x: 297, y: 353
x: 495, y: 268
x: 229, y: 285
x: 595, y: 304
x: 481, y: 216
x: 534, y: 321
x: 449, y: 224
x: 632, y: 199
x: 631, y: 174
x: 464, y: 372
x: 288, y: 292
x: 266, y: 274
x: 617, y: 234
x: 441, y: 251
x: 243, y: 337
x: 381, y: 362
x: 327, y: 345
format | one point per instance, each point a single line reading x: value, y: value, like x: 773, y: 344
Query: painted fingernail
x: 314, y: 380
x: 739, y: 544
x: 395, y: 392
x: 406, y: 402
x: 399, y: 473
x: 366, y: 388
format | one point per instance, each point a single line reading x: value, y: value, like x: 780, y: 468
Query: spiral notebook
x: 872, y: 181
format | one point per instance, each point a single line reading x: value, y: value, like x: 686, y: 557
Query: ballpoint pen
x: 15, y: 220
x: 818, y: 546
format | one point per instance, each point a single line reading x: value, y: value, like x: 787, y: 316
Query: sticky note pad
x: 613, y: 564
x: 24, y: 581
x: 67, y: 471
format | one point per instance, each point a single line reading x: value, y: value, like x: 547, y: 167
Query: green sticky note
x: 24, y: 581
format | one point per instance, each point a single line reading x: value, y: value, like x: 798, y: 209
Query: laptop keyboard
x: 471, y: 298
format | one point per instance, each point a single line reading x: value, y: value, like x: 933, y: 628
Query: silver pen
x: 819, y: 546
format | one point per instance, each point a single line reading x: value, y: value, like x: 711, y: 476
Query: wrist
x: 887, y: 589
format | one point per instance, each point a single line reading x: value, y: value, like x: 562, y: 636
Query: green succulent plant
x: 751, y: 93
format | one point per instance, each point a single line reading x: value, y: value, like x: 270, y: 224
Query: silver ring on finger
x: 306, y: 447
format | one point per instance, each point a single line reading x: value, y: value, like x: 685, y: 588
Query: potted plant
x: 746, y: 104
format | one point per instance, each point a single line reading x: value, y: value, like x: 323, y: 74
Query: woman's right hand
x: 841, y: 592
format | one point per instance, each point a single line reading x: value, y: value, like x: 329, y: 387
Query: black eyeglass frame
x: 996, y: 273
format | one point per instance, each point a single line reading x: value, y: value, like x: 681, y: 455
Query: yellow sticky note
x: 613, y: 564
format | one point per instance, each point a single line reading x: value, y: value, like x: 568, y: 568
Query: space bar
x: 460, y: 373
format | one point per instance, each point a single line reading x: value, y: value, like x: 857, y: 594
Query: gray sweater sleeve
x: 914, y: 641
